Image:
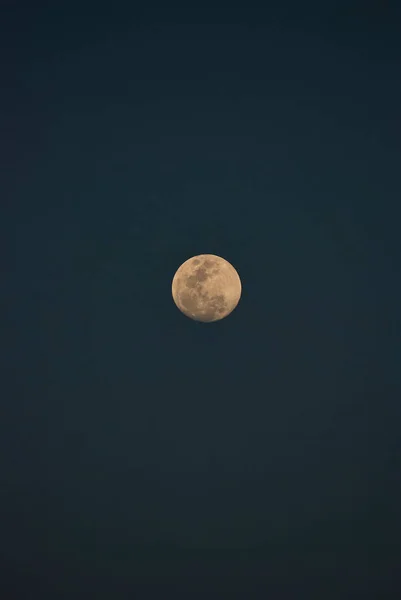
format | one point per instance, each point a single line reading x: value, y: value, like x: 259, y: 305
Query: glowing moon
x: 206, y: 288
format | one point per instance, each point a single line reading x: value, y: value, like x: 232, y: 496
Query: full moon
x: 206, y: 288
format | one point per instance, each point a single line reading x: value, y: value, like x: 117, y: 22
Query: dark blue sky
x: 140, y: 452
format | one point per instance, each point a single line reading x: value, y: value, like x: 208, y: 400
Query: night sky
x: 145, y: 455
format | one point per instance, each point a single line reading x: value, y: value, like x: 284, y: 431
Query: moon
x: 206, y: 288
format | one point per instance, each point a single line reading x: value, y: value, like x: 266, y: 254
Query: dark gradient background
x: 144, y: 455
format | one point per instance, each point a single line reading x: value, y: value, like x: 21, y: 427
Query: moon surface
x: 206, y: 288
